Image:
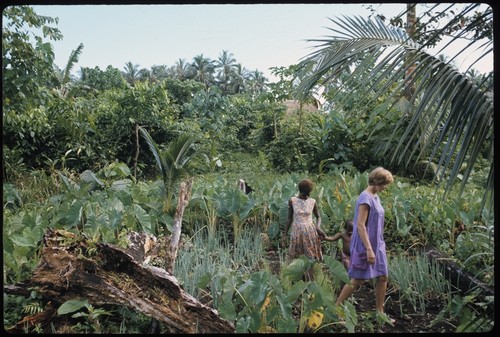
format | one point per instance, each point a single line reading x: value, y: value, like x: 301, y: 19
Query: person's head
x: 305, y: 187
x: 348, y: 225
x: 380, y: 177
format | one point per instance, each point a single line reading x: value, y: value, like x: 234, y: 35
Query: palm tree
x: 158, y: 73
x: 456, y: 113
x: 183, y: 70
x: 238, y: 79
x: 226, y: 66
x: 257, y: 82
x: 172, y: 162
x: 204, y: 68
x: 131, y: 72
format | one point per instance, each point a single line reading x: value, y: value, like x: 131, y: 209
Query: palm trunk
x: 411, y: 18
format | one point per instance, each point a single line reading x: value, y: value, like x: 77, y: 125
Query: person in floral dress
x: 305, y: 235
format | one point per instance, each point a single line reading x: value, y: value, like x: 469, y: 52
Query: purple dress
x: 359, y: 267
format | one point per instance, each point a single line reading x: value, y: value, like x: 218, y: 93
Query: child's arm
x: 333, y: 238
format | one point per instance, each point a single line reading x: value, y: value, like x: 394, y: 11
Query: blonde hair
x: 380, y: 176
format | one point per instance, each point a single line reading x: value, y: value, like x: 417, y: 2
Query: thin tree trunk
x: 136, y: 149
x: 411, y: 18
x: 184, y: 196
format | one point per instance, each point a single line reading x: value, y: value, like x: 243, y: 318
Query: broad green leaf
x: 336, y: 268
x: 288, y: 325
x: 121, y: 185
x: 255, y: 320
x: 242, y: 325
x: 74, y: 213
x: 227, y: 310
x: 273, y: 230
x: 22, y: 241
x: 255, y: 289
x: 143, y: 217
x: 295, y: 270
x: 296, y: 290
x: 204, y: 280
x: 71, y: 306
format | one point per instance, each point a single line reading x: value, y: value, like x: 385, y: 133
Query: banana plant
x: 64, y: 76
x: 172, y: 162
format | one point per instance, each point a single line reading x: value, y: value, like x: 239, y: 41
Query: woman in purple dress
x: 368, y: 255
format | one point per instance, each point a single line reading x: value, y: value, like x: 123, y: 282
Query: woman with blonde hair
x: 368, y: 254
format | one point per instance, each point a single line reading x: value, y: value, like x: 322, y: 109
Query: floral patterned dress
x: 304, y: 238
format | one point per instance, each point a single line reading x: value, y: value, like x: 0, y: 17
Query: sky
x: 259, y: 36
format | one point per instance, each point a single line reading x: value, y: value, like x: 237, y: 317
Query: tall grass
x: 207, y: 255
x: 417, y: 279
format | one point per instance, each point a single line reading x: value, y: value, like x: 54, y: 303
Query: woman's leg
x: 348, y: 290
x: 380, y: 290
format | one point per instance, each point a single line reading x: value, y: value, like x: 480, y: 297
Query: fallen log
x: 72, y: 268
x: 461, y: 279
x: 458, y: 277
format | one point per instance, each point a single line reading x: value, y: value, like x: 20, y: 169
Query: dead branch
x: 184, y: 196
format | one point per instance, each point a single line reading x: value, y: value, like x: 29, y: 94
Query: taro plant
x: 204, y: 255
x: 262, y: 302
x: 237, y: 205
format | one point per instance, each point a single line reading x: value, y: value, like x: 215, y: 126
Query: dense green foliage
x: 102, y: 155
x: 222, y: 217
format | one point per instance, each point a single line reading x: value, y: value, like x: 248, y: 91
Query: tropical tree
x: 131, y: 72
x: 97, y: 80
x: 239, y: 78
x: 225, y: 67
x: 27, y: 69
x: 158, y: 73
x: 64, y: 76
x: 456, y: 113
x: 182, y: 70
x: 256, y: 83
x: 204, y: 69
x: 172, y: 162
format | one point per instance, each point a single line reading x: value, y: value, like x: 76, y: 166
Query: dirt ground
x: 408, y: 322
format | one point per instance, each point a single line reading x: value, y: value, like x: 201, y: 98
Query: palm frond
x: 179, y: 149
x: 155, y: 151
x: 450, y: 117
x: 73, y: 59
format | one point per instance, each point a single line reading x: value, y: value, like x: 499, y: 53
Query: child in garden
x: 346, y: 242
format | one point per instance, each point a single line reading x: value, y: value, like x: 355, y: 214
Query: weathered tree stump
x: 72, y: 268
x: 184, y: 196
